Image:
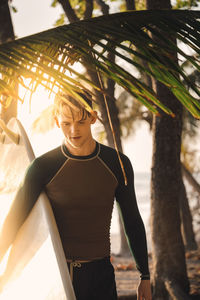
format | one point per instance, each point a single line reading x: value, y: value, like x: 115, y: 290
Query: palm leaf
x: 47, y: 58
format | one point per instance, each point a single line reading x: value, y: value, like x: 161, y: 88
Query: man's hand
x: 144, y: 290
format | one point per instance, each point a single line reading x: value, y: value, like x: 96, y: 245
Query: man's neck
x: 84, y: 150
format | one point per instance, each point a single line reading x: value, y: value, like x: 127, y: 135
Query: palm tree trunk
x: 169, y: 265
x: 186, y: 221
x: 158, y: 4
x: 130, y: 4
x: 6, y: 27
x: 167, y: 244
x: 104, y: 7
x: 69, y: 12
x: 6, y: 35
x: 186, y: 218
x: 191, y: 180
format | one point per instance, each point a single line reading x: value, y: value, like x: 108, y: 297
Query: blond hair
x: 73, y: 104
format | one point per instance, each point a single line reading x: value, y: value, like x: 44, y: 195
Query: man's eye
x: 65, y: 124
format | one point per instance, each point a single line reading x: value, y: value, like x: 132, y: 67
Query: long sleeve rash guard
x: 81, y: 190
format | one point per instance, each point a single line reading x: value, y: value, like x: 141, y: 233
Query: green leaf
x: 60, y: 21
x: 47, y: 58
x: 54, y: 3
x: 14, y: 9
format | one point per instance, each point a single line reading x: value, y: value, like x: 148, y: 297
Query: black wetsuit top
x: 82, y: 190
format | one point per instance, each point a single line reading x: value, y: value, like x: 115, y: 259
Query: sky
x: 35, y: 16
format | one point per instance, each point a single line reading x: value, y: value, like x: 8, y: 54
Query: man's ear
x: 57, y: 123
x: 93, y: 117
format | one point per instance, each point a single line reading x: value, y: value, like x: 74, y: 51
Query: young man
x: 82, y: 178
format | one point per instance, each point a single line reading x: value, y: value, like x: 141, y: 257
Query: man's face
x: 76, y: 130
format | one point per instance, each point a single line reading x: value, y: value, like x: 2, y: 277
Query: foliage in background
x: 47, y: 58
x: 186, y: 4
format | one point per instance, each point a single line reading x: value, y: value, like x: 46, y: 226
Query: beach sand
x: 127, y: 276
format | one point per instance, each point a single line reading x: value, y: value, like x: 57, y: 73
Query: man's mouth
x: 75, y: 137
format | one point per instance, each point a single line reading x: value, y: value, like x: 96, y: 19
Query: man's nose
x: 74, y: 129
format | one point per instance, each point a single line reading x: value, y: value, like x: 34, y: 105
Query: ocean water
x: 142, y: 190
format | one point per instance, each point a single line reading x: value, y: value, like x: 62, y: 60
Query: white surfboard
x: 36, y: 267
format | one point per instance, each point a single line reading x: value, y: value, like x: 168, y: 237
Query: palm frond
x: 47, y: 58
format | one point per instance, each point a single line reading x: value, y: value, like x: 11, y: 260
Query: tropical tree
x: 167, y: 188
x: 7, y: 34
x: 45, y: 59
x: 51, y: 52
x: 132, y: 115
x: 138, y: 113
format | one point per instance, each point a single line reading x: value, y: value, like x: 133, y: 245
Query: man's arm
x: 144, y: 290
x: 134, y: 228
x: 133, y: 224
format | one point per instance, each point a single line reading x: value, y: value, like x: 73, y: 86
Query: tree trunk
x: 104, y: 7
x: 186, y: 221
x: 186, y: 218
x: 191, y: 180
x: 169, y: 265
x: 158, y: 4
x: 130, y: 4
x: 6, y: 27
x: 88, y: 9
x: 6, y: 35
x: 167, y: 244
x: 72, y: 17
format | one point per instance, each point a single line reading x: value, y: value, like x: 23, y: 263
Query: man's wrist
x: 145, y: 276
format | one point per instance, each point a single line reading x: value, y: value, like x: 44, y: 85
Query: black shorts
x: 94, y: 280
